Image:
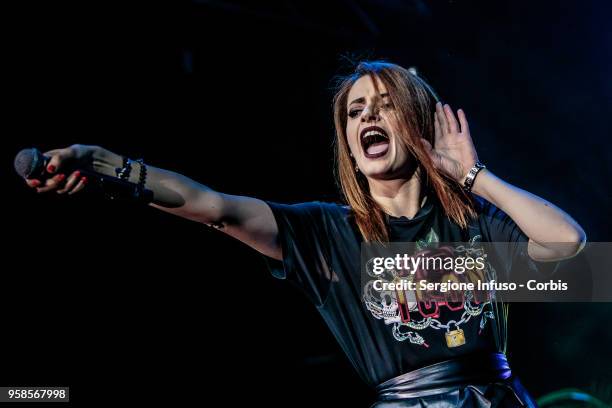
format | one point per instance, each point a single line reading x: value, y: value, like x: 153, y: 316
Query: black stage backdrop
x: 125, y: 303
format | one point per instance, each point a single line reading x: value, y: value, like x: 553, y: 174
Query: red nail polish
x: 60, y: 177
x: 84, y: 179
x: 77, y: 173
x: 35, y: 183
x: 50, y: 168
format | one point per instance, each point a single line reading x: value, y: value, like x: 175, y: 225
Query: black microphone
x: 31, y: 163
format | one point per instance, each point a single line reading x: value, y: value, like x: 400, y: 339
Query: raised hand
x: 454, y: 151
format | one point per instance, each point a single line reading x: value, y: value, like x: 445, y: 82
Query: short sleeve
x: 498, y: 226
x: 511, y: 242
x: 303, y: 237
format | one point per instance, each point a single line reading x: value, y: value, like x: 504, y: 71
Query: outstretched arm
x: 247, y: 219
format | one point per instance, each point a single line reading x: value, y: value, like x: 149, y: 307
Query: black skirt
x: 480, y: 381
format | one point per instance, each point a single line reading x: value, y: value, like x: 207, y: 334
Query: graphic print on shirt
x: 414, y: 320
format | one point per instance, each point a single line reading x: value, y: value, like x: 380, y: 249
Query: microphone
x: 31, y: 163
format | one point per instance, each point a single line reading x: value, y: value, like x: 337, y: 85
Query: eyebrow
x: 362, y: 99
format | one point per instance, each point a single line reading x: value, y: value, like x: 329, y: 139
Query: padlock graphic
x: 454, y: 338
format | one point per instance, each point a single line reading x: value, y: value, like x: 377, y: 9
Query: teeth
x: 375, y: 132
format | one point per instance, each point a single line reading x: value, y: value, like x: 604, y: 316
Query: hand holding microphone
x: 57, y: 169
x: 70, y: 169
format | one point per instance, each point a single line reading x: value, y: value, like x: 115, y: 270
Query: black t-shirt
x: 321, y: 255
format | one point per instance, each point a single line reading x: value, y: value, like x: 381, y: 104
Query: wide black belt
x: 485, y: 375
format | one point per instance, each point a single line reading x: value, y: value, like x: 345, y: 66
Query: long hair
x: 414, y: 104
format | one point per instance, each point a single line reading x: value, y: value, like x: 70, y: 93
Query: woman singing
x: 409, y: 172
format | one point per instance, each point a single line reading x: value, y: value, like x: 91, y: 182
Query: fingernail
x: 51, y: 168
x: 35, y: 183
x: 84, y: 179
x: 77, y: 174
x: 60, y: 177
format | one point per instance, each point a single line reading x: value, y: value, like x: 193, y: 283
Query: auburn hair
x: 413, y: 101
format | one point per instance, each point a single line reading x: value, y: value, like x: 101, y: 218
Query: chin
x: 378, y: 171
x: 382, y: 167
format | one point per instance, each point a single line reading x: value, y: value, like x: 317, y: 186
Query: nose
x: 370, y: 113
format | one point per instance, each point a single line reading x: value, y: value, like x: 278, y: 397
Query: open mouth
x: 374, y: 141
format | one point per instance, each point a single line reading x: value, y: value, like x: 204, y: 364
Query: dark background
x: 122, y: 302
